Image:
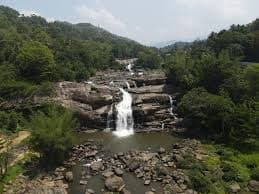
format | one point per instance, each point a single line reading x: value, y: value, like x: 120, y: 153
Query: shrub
x: 200, y: 182
x: 234, y: 172
x: 255, y: 174
x: 206, y: 111
x: 52, y: 133
x: 10, y: 120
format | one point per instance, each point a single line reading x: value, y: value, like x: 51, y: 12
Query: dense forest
x: 221, y: 92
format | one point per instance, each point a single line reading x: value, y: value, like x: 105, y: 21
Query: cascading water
x: 127, y: 84
x: 109, y: 120
x: 124, y: 120
x: 171, y: 105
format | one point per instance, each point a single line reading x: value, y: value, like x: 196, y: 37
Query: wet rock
x: 254, y: 186
x: 114, y: 183
x: 133, y: 164
x: 118, y: 171
x: 89, y: 191
x: 147, y: 182
x: 97, y: 166
x: 69, y: 176
x: 83, y: 182
x: 108, y: 173
x: 161, y: 150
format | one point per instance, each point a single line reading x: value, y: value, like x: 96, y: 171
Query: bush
x: 52, y: 133
x: 200, y: 182
x: 255, y: 174
x: 10, y: 121
x: 234, y: 172
x: 206, y: 111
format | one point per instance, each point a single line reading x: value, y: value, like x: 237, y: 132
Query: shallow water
x: 140, y: 141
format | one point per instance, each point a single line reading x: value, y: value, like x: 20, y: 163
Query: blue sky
x: 146, y: 21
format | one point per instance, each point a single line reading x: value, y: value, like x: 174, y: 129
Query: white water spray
x: 171, y: 105
x: 128, y: 85
x: 109, y: 120
x: 124, y: 120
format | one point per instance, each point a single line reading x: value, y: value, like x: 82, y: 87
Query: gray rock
x: 107, y: 173
x: 97, y: 166
x: 161, y: 150
x: 89, y: 191
x: 133, y: 164
x: 234, y: 188
x: 149, y: 192
x: 147, y: 182
x: 118, y: 171
x: 254, y: 185
x: 82, y: 182
x: 114, y: 184
x: 69, y: 176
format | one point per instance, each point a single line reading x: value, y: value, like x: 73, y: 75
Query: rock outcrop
x: 94, y: 101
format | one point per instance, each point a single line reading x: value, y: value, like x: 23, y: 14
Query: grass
x: 11, y: 175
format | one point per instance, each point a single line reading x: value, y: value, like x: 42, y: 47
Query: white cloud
x: 29, y: 13
x: 100, y: 17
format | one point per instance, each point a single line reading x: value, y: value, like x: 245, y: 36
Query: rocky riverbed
x: 159, y: 168
x: 98, y: 167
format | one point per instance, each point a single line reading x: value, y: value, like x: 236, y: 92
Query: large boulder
x: 114, y: 184
x: 97, y: 166
x: 69, y: 176
x: 254, y: 186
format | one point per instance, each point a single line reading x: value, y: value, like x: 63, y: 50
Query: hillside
x: 241, y: 41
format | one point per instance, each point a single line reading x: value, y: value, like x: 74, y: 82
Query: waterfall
x: 128, y: 85
x: 109, y: 120
x: 163, y: 126
x: 124, y: 119
x: 171, y: 105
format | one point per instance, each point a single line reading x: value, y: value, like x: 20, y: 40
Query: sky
x: 146, y: 21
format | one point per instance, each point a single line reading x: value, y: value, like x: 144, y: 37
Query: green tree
x: 35, y: 62
x: 206, y: 111
x: 252, y: 76
x: 179, y: 68
x: 149, y: 60
x: 52, y: 133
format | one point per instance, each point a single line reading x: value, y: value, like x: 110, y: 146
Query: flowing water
x: 124, y: 119
x: 171, y: 105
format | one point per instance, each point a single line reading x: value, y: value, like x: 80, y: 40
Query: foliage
x: 179, y: 70
x: 252, y: 77
x: 11, y: 175
x: 10, y: 121
x: 255, y: 174
x: 207, y: 111
x: 35, y: 62
x: 149, y: 60
x: 52, y: 133
x: 200, y: 182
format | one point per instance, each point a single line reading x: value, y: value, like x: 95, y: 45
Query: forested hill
x: 240, y: 41
x: 65, y: 51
